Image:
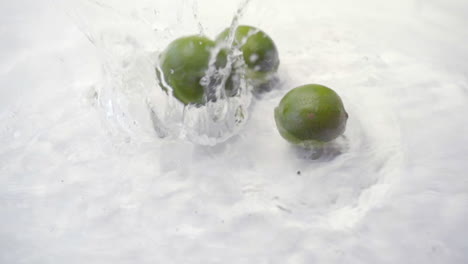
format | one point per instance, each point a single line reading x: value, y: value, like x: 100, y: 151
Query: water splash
x: 222, y: 116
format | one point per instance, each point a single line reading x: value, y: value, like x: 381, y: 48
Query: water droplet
x: 253, y: 57
x: 204, y: 81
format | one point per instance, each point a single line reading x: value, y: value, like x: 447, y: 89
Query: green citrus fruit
x: 184, y: 63
x: 258, y: 51
x: 311, y: 114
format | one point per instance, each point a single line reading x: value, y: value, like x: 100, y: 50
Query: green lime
x: 184, y: 63
x: 258, y: 51
x: 310, y: 114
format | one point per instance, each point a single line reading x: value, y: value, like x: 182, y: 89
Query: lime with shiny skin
x: 258, y: 51
x: 311, y: 114
x: 184, y: 63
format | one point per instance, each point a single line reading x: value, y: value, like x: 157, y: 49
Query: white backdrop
x: 83, y: 178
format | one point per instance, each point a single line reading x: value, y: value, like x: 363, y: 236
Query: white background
x: 82, y: 184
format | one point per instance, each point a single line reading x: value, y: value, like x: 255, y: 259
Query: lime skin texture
x: 184, y: 63
x: 258, y: 51
x: 311, y: 114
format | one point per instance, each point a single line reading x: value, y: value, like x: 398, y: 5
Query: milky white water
x: 85, y: 178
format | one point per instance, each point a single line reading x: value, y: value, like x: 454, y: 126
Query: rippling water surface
x: 90, y: 172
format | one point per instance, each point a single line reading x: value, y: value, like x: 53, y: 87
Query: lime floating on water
x: 258, y: 51
x: 311, y: 114
x: 184, y: 63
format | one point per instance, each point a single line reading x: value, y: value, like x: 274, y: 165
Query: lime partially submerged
x: 259, y: 52
x: 184, y: 63
x: 311, y: 114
